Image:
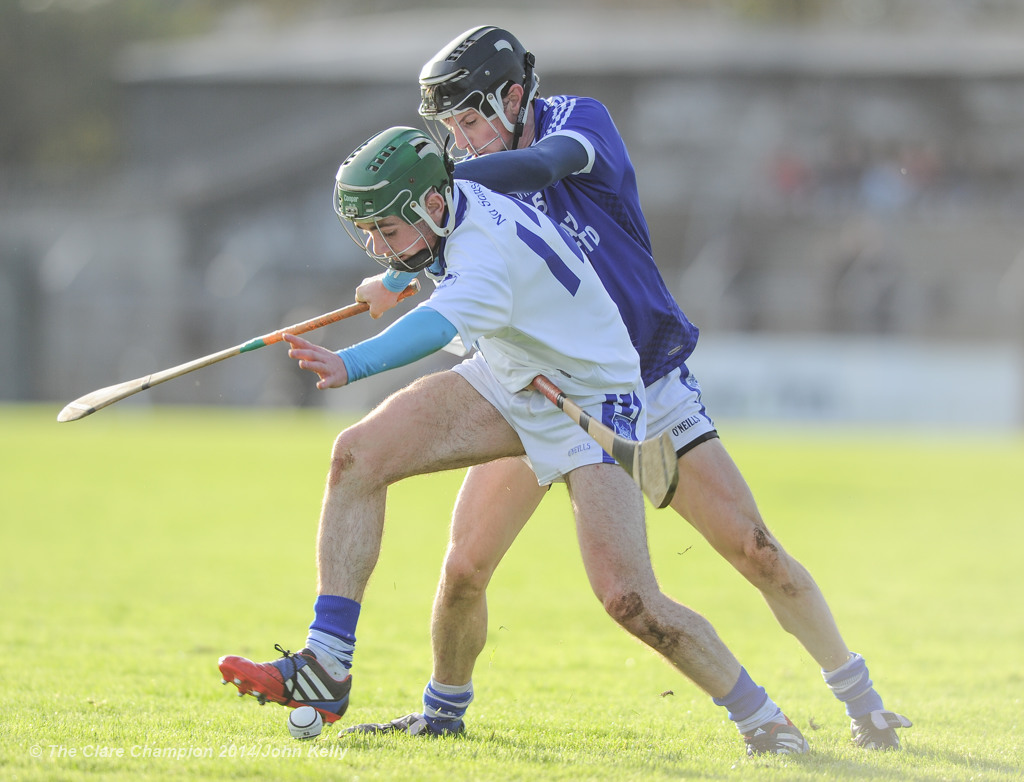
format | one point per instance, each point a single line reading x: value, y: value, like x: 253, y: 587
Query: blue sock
x: 332, y: 635
x: 444, y: 705
x: 749, y: 705
x: 851, y: 684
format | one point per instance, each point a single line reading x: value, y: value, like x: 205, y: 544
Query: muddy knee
x: 353, y: 459
x: 342, y: 461
x: 665, y: 626
x: 624, y: 607
x: 766, y: 564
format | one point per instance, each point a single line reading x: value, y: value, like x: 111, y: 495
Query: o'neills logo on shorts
x: 689, y: 423
x: 579, y: 449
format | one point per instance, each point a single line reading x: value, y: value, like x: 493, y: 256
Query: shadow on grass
x: 965, y: 767
x: 578, y: 752
x: 524, y: 757
x: 616, y: 752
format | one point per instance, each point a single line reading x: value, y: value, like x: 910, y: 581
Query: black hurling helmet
x: 473, y: 72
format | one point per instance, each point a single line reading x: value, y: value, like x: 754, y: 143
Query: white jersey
x: 519, y: 289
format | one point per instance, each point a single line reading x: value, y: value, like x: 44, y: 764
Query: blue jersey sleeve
x: 526, y: 170
x: 414, y: 335
x: 589, y: 121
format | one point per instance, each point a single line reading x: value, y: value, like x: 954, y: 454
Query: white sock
x: 768, y: 712
x: 333, y: 653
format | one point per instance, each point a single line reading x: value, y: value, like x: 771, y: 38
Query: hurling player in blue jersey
x: 511, y: 283
x: 565, y: 156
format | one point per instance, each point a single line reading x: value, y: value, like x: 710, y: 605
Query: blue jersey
x: 600, y: 206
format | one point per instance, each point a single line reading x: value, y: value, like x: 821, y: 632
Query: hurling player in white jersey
x: 512, y: 283
x: 564, y: 155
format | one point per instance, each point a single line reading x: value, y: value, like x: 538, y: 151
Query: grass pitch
x: 137, y: 547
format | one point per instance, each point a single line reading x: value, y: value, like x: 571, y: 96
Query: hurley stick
x: 97, y: 400
x: 651, y: 463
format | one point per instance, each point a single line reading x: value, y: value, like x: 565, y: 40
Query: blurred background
x: 835, y: 190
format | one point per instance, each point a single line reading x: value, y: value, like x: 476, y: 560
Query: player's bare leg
x: 451, y: 425
x: 715, y: 499
x: 613, y: 540
x: 713, y: 496
x: 495, y: 502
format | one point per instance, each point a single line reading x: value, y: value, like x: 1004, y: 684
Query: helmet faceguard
x: 475, y: 71
x: 391, y: 175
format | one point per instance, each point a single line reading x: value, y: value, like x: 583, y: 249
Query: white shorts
x: 554, y: 443
x: 674, y: 405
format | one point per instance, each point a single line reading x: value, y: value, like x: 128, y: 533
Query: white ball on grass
x: 305, y: 722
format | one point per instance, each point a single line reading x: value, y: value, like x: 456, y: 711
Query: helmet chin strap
x: 517, y: 132
x: 449, y: 162
x: 425, y: 257
x: 419, y: 261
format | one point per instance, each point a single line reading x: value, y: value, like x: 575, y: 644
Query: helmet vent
x: 459, y: 51
x: 382, y: 158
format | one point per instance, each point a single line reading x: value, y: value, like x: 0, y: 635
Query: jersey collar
x: 437, y: 268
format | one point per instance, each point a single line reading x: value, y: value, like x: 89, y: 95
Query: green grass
x: 138, y: 547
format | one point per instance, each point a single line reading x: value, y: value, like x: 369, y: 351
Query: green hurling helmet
x: 390, y: 175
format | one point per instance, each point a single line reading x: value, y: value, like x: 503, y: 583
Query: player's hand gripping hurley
x: 651, y: 463
x: 102, y: 397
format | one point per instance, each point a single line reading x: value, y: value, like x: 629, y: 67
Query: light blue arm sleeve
x: 414, y: 335
x: 396, y: 281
